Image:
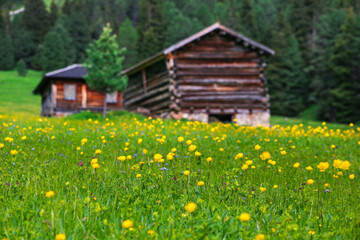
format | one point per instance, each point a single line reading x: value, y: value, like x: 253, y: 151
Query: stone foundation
x: 254, y: 119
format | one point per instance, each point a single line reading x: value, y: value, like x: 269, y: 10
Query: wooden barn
x: 216, y: 73
x: 65, y: 91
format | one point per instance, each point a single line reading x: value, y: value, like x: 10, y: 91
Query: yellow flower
x: 351, y: 176
x: 198, y: 154
x: 128, y: 157
x: 138, y: 175
x: 345, y: 165
x: 157, y: 157
x: 190, y: 207
x: 239, y: 155
x: 95, y: 165
x: 150, y: 232
x: 186, y: 172
x: 97, y: 151
x: 13, y: 152
x: 188, y: 142
x: 23, y: 138
x: 121, y: 158
x: 84, y: 140
x: 201, y: 183
x: 50, y: 194
x: 140, y: 140
x: 93, y: 161
x: 333, y: 146
x: 127, y: 224
x: 209, y: 159
x: 2, y: 145
x: 257, y: 147
x: 173, y: 150
x: 326, y: 185
x: 283, y: 152
x: 180, y: 139
x: 60, y: 236
x: 276, y: 186
x: 339, y: 173
x: 260, y: 237
x: 145, y: 151
x: 192, y: 147
x: 351, y: 124
x: 337, y: 163
x: 244, y: 217
x: 311, y: 232
x: 323, y: 166
x: 296, y: 165
x: 265, y: 156
x: 309, y: 168
x: 309, y: 182
x: 221, y: 149
x: 244, y: 167
x: 262, y: 189
x: 169, y: 157
x: 249, y: 162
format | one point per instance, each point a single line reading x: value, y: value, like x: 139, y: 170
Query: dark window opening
x: 225, y: 118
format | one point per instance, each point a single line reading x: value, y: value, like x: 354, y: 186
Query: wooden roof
x: 75, y: 72
x: 182, y: 43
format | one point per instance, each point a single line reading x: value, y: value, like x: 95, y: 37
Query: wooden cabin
x: 216, y: 73
x: 65, y: 91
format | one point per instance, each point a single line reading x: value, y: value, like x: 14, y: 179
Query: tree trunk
x: 105, y: 105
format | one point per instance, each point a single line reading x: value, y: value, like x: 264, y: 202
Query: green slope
x: 16, y: 93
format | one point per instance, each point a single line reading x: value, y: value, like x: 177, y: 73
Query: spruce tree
x: 70, y: 54
x: 21, y: 68
x: 36, y: 19
x: 52, y: 54
x: 127, y: 38
x: 54, y: 13
x: 24, y: 47
x: 6, y: 53
x: 151, y: 28
x: 104, y: 65
x: 346, y: 97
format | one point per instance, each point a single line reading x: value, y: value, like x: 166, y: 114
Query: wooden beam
x: 53, y: 98
x: 84, y: 96
x: 144, y: 79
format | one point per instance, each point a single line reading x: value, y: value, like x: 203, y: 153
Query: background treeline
x: 317, y: 43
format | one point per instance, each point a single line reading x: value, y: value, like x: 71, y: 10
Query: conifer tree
x: 67, y: 42
x: 127, y: 38
x: 52, y: 53
x: 36, y: 19
x: 151, y: 28
x: 346, y: 97
x: 54, y: 13
x: 21, y: 68
x: 24, y: 47
x: 104, y: 65
x: 6, y: 53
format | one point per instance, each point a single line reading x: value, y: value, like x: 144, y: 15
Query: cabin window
x: 70, y: 92
x: 111, y: 97
x: 225, y: 118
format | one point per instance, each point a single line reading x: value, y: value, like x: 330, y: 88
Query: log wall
x: 217, y: 75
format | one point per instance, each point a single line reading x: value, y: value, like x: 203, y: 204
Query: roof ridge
x: 63, y: 69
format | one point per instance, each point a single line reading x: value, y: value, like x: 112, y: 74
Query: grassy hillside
x: 16, y: 93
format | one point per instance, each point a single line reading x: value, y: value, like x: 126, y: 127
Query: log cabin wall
x: 217, y: 75
x: 149, y: 88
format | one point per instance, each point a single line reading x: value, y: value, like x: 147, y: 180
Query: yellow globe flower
x: 351, y: 176
x: 262, y: 189
x: 145, y: 151
x: 192, y: 147
x: 276, y: 186
x: 309, y: 168
x: 190, y: 207
x: 198, y: 154
x: 244, y: 217
x: 296, y: 165
x: 283, y: 152
x: 333, y: 146
x: 138, y: 175
x: 50, y: 194
x: 209, y: 159
x: 139, y: 140
x: 323, y: 166
x: 180, y: 139
x: 186, y: 172
x: 201, y: 183
x: 157, y: 157
x: 60, y: 236
x: 257, y: 147
x: 260, y: 237
x: 265, y: 155
x: 95, y: 165
x: 121, y: 158
x: 13, y: 152
x: 2, y: 145
x: 309, y: 182
x: 345, y: 165
x: 127, y: 224
x: 97, y: 151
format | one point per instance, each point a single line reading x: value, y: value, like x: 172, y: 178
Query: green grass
x: 16, y: 93
x: 92, y: 203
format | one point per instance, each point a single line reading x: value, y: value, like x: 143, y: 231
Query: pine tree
x: 54, y: 13
x: 328, y: 27
x: 151, y: 28
x: 104, y: 65
x: 69, y: 48
x: 36, y: 19
x: 52, y: 53
x: 127, y: 38
x: 346, y: 97
x: 21, y: 68
x: 78, y: 29
x: 247, y: 20
x: 24, y: 47
x: 6, y: 53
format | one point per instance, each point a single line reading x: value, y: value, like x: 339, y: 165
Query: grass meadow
x: 131, y: 177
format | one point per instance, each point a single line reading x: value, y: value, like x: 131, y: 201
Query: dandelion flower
x: 190, y: 207
x: 50, y: 194
x: 244, y: 217
x: 127, y: 224
x: 60, y: 236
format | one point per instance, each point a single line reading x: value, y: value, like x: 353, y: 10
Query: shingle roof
x: 216, y: 26
x: 75, y: 71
